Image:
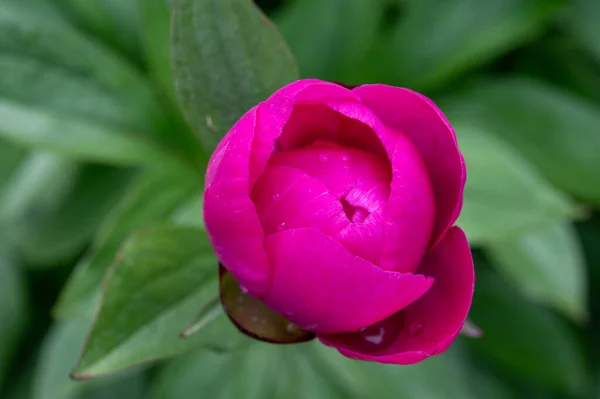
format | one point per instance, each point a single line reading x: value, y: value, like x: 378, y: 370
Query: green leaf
x: 10, y: 158
x: 29, y: 31
x: 365, y: 379
x: 227, y: 57
x: 58, y: 354
x: 161, y: 277
x: 13, y: 310
x: 504, y: 195
x: 101, y: 108
x: 75, y: 137
x: 153, y: 197
x: 339, y: 39
x: 526, y: 340
x: 548, y: 266
x: 156, y: 33
x: 467, y: 34
x: 559, y: 133
x: 582, y: 22
x: 114, y: 21
x: 257, y: 371
x: 52, y: 207
x: 572, y: 68
x: 308, y: 370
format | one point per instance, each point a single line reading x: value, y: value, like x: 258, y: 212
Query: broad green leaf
x: 156, y: 40
x: 364, y: 379
x: 29, y: 31
x: 10, y: 158
x: 75, y: 137
x: 526, y: 340
x: 101, y: 108
x: 308, y: 370
x: 58, y: 354
x: 257, y: 371
x: 13, y: 310
x: 227, y: 57
x: 161, y: 277
x: 73, y: 93
x: 572, y: 68
x: 504, y: 195
x: 156, y: 33
x: 153, y: 197
x: 52, y: 207
x: 548, y: 266
x: 559, y: 133
x: 340, y: 36
x: 41, y: 180
x: 114, y: 21
x: 582, y: 22
x: 437, y: 40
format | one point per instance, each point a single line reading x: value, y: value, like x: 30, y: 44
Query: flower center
x: 355, y: 214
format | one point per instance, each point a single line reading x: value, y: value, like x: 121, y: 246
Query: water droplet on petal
x: 244, y: 289
x: 276, y: 196
x: 373, y: 334
x: 345, y: 157
x: 281, y: 226
x: 414, y: 328
x: 323, y: 158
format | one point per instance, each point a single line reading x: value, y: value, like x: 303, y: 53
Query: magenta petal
x: 320, y: 286
x: 255, y: 319
x: 429, y: 325
x: 423, y: 123
x: 288, y: 198
x: 239, y: 159
x: 229, y: 215
x: 275, y: 113
x: 409, y: 213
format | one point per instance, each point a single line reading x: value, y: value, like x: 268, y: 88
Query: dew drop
x: 276, y: 196
x: 345, y: 157
x: 244, y: 289
x: 281, y: 226
x: 323, y: 158
x: 373, y: 334
x: 414, y: 328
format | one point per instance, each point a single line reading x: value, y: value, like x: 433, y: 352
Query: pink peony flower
x: 334, y: 207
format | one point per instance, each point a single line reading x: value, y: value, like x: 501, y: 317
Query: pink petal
x: 236, y: 164
x: 423, y: 123
x: 409, y: 212
x: 288, y: 198
x: 276, y: 111
x: 357, y: 178
x: 323, y: 288
x: 429, y: 325
x: 364, y: 239
x: 229, y: 215
x: 346, y: 171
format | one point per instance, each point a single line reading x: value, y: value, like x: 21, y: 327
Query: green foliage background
x: 103, y: 258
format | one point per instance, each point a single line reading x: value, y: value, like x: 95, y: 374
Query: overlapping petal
x: 409, y: 212
x: 236, y: 164
x: 322, y: 287
x: 430, y: 324
x: 419, y: 119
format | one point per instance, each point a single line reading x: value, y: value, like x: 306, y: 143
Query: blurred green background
x: 93, y: 147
